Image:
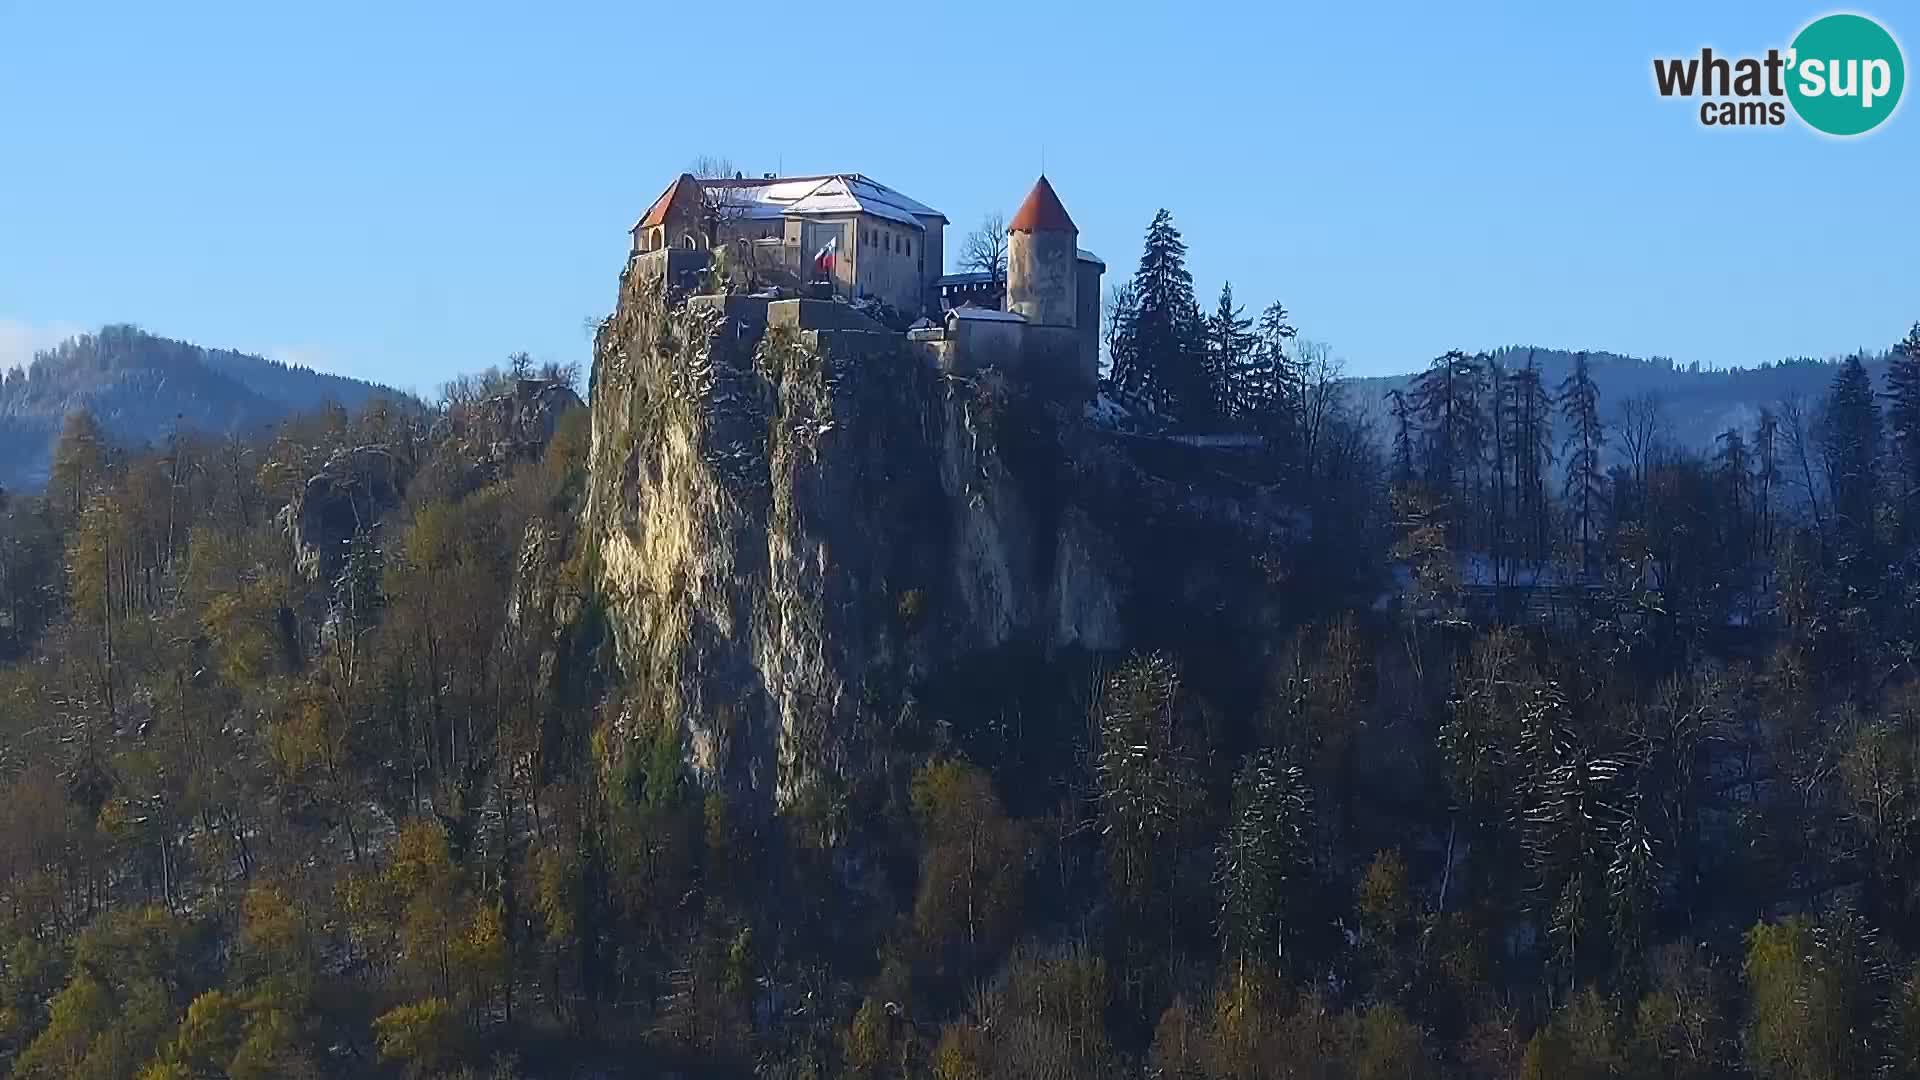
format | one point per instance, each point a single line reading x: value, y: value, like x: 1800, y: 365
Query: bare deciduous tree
x: 1796, y: 433
x: 1117, y: 327
x: 721, y: 204
x: 985, y: 249
x: 566, y: 374
x: 1322, y: 391
x: 1642, y: 424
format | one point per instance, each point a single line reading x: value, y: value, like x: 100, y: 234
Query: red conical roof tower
x: 1041, y: 212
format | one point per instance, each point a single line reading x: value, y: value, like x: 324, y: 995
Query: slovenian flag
x: 823, y: 260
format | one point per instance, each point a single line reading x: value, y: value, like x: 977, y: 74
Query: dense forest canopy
x: 141, y: 388
x: 1617, y: 777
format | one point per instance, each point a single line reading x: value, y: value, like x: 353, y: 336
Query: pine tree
x: 1167, y: 368
x: 1447, y: 397
x: 1570, y: 798
x: 1230, y: 359
x: 1766, y: 448
x: 1903, y: 422
x: 1263, y: 858
x: 1499, y: 482
x: 1583, y: 491
x: 1733, y: 479
x: 1401, y: 409
x: 1531, y: 429
x: 1273, y: 380
x: 1143, y: 777
x: 1850, y: 442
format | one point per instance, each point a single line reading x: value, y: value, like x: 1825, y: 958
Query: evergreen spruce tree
x: 1850, y: 441
x: 1584, y: 490
x: 1531, y: 429
x: 1903, y: 422
x: 1733, y: 481
x: 1168, y: 368
x: 1274, y: 383
x: 1448, y: 399
x: 1499, y: 479
x: 1231, y: 360
x: 1766, y: 454
x: 1401, y: 410
x: 1263, y: 860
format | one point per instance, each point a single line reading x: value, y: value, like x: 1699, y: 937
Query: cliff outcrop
x: 796, y: 522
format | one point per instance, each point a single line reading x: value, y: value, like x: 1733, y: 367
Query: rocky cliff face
x: 347, y: 496
x: 357, y: 486
x: 796, y: 528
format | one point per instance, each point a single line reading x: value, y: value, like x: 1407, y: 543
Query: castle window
x: 909, y: 245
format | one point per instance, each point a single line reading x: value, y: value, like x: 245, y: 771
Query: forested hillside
x: 142, y: 388
x: 1694, y: 406
x: 347, y: 751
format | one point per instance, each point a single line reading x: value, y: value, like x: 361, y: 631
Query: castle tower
x: 1042, y: 279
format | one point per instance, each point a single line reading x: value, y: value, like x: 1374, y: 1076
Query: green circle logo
x: 1845, y: 74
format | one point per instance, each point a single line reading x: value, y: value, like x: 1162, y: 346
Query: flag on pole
x: 823, y: 259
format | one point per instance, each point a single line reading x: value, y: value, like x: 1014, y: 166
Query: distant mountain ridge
x: 1699, y: 403
x: 142, y: 387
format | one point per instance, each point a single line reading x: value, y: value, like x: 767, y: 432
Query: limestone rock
x: 349, y: 493
x: 794, y: 528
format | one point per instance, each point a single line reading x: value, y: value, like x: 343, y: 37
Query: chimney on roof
x: 769, y: 176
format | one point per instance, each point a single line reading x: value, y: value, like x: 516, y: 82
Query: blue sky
x: 402, y: 191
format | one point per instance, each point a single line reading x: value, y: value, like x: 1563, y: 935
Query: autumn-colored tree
x: 1812, y: 999
x: 1384, y: 905
x: 424, y: 1037
x: 79, y: 462
x: 974, y: 863
x: 1389, y: 1046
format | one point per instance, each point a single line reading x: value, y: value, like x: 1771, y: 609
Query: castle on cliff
x: 846, y: 238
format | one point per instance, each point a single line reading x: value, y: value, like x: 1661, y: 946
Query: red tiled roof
x: 657, y: 213
x: 1042, y: 212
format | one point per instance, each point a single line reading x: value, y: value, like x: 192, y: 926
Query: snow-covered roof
x: 816, y: 196
x: 1087, y: 256
x: 986, y: 314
